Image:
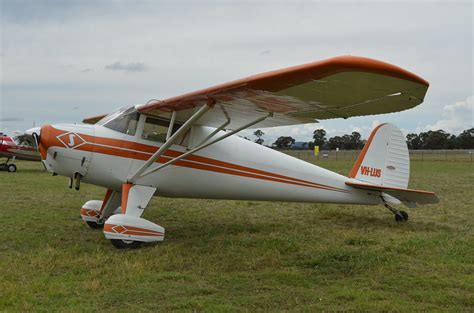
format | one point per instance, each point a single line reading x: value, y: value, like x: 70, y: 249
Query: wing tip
x: 383, y: 67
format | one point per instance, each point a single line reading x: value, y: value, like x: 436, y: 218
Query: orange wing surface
x: 339, y: 87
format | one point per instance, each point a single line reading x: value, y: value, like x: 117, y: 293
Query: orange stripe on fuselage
x: 122, y: 148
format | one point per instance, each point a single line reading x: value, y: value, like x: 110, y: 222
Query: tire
x: 401, y: 216
x: 405, y: 215
x: 11, y: 168
x: 95, y: 225
x: 125, y: 244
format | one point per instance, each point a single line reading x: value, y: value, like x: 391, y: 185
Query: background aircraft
x: 16, y: 147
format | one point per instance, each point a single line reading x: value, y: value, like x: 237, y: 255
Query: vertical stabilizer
x: 384, y: 160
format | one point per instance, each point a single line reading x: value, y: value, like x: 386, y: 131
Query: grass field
x: 240, y: 256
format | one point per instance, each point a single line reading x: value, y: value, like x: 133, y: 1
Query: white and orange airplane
x: 185, y: 147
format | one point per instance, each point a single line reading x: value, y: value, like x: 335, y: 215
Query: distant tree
x: 451, y: 142
x: 355, y: 142
x: 434, y: 140
x: 414, y: 141
x: 465, y: 140
x: 346, y: 142
x: 319, y: 136
x: 283, y: 142
x: 336, y: 142
x: 259, y: 134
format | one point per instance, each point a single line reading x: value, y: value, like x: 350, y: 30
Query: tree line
x: 430, y: 140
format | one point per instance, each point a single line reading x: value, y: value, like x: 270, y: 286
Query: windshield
x: 123, y: 120
x: 113, y: 114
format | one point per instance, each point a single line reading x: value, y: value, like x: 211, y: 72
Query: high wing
x: 339, y: 87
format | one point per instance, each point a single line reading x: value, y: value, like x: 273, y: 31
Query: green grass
x: 231, y: 256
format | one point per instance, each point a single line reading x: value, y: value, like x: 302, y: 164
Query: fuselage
x: 234, y: 168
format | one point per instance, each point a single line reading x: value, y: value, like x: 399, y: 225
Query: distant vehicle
x: 184, y: 146
x: 16, y: 148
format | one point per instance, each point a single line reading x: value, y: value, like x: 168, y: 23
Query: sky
x: 61, y: 61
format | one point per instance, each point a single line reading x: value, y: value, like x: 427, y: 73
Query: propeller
x: 31, y: 136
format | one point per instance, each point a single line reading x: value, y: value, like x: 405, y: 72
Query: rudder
x: 384, y: 160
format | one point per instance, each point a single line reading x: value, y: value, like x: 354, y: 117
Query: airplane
x: 186, y: 146
x: 16, y: 147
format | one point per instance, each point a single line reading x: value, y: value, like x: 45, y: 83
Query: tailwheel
x: 404, y: 215
x: 125, y: 244
x: 95, y: 225
x: 400, y: 216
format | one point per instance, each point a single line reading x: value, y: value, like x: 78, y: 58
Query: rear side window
x: 155, y: 129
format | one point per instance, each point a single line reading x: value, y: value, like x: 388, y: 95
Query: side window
x: 156, y: 129
x: 126, y: 123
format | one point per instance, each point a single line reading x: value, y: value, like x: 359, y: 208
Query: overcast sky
x: 65, y: 60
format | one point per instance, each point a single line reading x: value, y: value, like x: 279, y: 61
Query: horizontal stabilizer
x: 404, y: 195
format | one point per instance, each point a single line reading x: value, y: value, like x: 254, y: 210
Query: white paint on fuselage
x: 184, y: 182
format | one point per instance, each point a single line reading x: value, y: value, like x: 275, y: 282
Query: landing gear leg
x: 96, y: 212
x: 400, y: 216
x: 128, y: 230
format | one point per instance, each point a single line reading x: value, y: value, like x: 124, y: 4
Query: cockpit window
x: 113, y: 114
x: 122, y: 121
x: 155, y: 129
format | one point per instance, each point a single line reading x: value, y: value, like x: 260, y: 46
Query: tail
x: 384, y: 165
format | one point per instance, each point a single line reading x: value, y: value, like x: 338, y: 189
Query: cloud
x: 10, y: 119
x: 129, y: 67
x: 47, y: 43
x: 456, y: 117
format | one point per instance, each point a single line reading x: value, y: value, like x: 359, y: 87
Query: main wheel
x: 95, y: 225
x: 125, y: 244
x: 11, y: 168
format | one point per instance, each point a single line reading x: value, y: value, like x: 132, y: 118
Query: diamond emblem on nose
x: 71, y: 140
x: 119, y: 229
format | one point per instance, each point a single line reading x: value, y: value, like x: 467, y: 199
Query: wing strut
x: 170, y: 128
x: 207, y: 143
x: 169, y: 142
x: 145, y: 170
